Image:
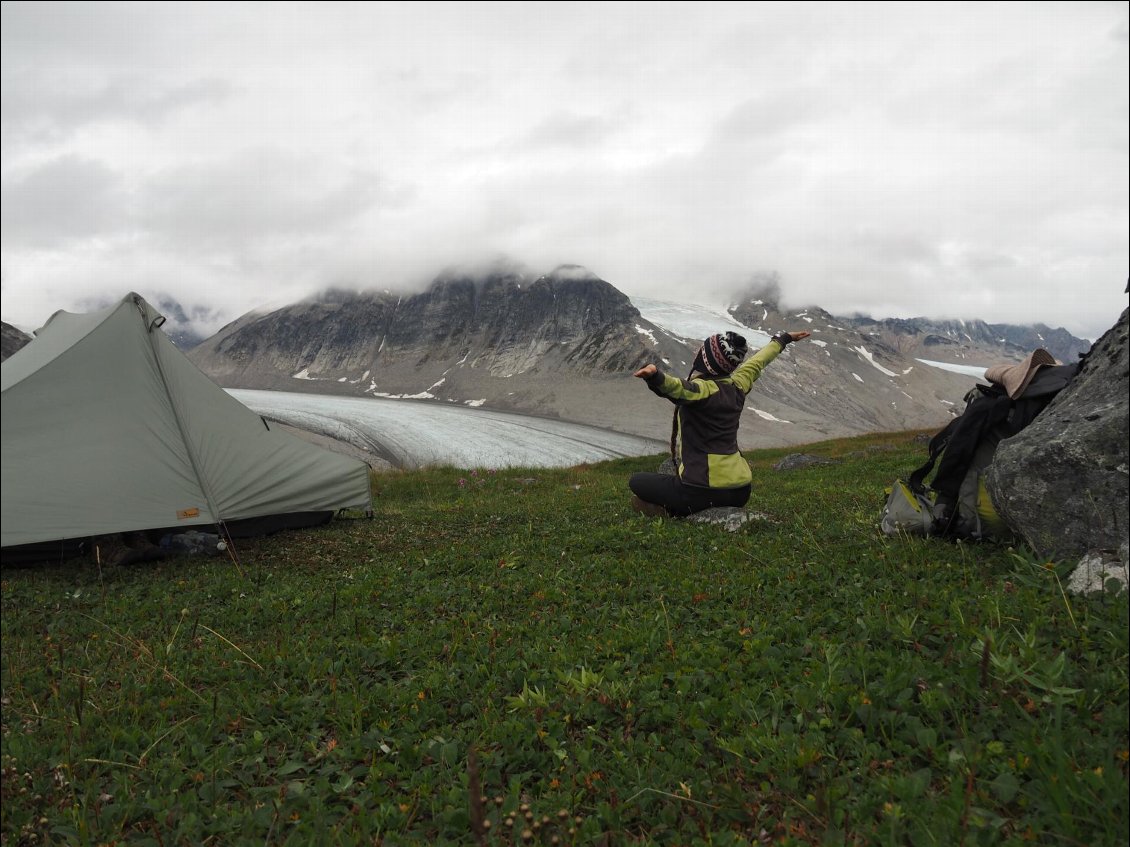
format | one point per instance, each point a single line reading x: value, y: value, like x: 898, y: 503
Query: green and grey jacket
x: 706, y: 421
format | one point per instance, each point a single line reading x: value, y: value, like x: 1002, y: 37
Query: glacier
x: 412, y: 434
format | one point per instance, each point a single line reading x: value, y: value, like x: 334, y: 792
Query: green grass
x: 524, y: 637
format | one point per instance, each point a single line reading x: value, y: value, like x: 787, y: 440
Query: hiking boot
x: 652, y: 509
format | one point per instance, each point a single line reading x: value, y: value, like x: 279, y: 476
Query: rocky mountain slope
x: 564, y: 345
x: 11, y: 339
x: 971, y: 342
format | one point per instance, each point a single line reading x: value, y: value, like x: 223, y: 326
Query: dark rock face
x: 1061, y: 484
x: 11, y: 340
x: 501, y: 325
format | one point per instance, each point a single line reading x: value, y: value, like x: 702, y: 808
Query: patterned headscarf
x: 720, y: 354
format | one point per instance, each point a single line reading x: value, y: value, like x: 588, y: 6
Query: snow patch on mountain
x: 969, y: 370
x: 766, y: 416
x: 650, y: 335
x: 866, y: 354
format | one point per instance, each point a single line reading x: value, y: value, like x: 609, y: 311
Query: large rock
x: 1061, y: 484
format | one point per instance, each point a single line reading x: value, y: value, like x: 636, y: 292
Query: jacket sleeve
x: 749, y: 370
x: 681, y: 391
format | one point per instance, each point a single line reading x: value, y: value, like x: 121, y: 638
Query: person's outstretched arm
x: 749, y: 370
x: 674, y: 389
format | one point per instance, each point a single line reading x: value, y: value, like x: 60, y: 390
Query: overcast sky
x: 899, y: 159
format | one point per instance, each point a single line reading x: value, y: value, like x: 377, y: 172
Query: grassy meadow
x: 517, y: 658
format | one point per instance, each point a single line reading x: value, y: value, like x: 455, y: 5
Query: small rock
x: 800, y: 460
x: 729, y: 518
x: 1093, y: 573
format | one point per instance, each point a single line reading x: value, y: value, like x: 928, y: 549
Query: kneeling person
x: 710, y: 471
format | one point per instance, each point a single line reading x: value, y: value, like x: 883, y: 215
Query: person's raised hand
x: 646, y: 371
x: 786, y: 338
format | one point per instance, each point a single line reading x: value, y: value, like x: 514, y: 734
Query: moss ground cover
x: 516, y: 657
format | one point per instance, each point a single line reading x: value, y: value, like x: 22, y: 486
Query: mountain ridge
x: 564, y: 344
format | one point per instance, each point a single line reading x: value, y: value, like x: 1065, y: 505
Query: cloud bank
x: 948, y: 160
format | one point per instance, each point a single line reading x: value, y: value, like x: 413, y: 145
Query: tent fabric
x: 107, y: 427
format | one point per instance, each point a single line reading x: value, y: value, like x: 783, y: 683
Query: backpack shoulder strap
x: 980, y: 416
x: 954, y: 429
x: 917, y: 479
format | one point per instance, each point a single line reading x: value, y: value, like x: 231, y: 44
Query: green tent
x: 108, y: 428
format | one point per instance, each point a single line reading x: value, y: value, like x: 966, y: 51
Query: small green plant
x: 528, y: 698
x: 1019, y: 659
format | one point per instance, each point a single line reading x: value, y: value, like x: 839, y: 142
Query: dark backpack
x: 955, y: 503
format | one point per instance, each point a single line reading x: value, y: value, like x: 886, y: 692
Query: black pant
x: 681, y: 500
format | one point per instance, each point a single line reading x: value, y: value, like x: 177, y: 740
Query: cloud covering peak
x: 896, y: 159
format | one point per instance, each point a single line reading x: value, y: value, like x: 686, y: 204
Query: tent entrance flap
x: 151, y: 330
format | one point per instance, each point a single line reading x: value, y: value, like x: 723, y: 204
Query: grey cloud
x: 48, y: 112
x: 890, y: 247
x: 568, y: 130
x: 771, y: 114
x: 261, y: 194
x: 988, y: 261
x: 69, y: 198
x: 440, y: 92
x: 256, y: 195
x: 264, y: 212
x: 156, y: 105
x: 877, y: 155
